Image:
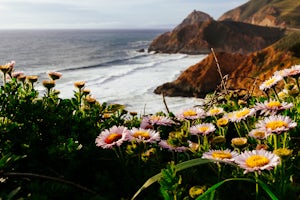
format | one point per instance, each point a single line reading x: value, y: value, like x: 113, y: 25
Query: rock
x: 141, y: 50
x: 198, y: 33
x: 245, y: 72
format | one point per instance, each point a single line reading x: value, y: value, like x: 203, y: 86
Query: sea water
x: 109, y: 61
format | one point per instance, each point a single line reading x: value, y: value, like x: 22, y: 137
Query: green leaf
x: 178, y: 167
x: 267, y: 189
x: 215, y: 186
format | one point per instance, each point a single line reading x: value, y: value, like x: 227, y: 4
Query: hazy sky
x: 105, y: 13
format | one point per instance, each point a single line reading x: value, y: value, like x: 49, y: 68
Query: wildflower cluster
x: 249, y: 136
x: 103, y: 146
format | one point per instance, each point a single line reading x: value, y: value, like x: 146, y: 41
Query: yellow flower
x: 283, y: 152
x: 239, y: 142
x: 222, y: 122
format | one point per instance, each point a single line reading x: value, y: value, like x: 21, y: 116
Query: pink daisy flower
x: 215, y: 111
x: 271, y: 82
x: 114, y: 136
x: 224, y: 155
x: 202, y: 129
x: 143, y: 135
x: 257, y: 160
x: 293, y: 71
x: 271, y: 107
x: 191, y: 113
x: 150, y: 121
x: 276, y: 124
x: 258, y: 134
x: 242, y: 114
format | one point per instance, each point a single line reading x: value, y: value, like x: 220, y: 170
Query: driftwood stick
x: 164, y: 100
x: 219, y: 71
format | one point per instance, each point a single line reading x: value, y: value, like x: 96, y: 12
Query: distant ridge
x: 198, y: 33
x: 276, y: 13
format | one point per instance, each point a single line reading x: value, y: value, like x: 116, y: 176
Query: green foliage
x: 50, y: 149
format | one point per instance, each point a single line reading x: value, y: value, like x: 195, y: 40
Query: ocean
x: 107, y: 60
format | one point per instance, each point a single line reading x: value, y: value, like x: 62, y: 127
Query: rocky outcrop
x: 284, y: 13
x: 243, y: 71
x: 198, y: 33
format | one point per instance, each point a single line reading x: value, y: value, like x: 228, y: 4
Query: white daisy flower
x: 143, y: 135
x: 271, y: 107
x: 224, y: 155
x: 270, y: 82
x: 114, y: 136
x: 257, y: 160
x: 276, y: 124
x: 202, y: 129
x: 191, y: 113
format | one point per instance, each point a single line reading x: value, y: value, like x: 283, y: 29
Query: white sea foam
x: 107, y: 60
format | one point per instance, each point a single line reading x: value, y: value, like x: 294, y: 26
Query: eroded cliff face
x: 198, y: 33
x: 283, y: 14
x: 245, y: 72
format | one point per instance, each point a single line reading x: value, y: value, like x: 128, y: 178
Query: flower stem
x: 256, y: 186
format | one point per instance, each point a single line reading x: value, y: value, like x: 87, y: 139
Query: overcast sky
x: 105, y: 14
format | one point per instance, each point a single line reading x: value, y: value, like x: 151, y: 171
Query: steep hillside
x: 243, y: 70
x: 277, y: 13
x: 198, y: 33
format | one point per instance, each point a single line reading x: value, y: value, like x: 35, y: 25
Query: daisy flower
x: 271, y: 82
x: 276, y: 124
x: 150, y: 121
x: 143, y: 135
x: 294, y: 71
x: 114, y: 136
x: 191, y: 113
x: 257, y: 160
x: 164, y: 144
x: 271, y: 107
x: 242, y: 114
x: 202, y: 129
x: 215, y: 111
x: 258, y: 134
x: 224, y: 155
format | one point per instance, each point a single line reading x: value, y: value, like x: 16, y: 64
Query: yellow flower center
x: 155, y: 118
x: 221, y: 155
x: 143, y: 134
x: 222, y: 122
x: 259, y: 134
x: 274, y: 104
x: 113, y: 137
x: 276, y: 124
x: 203, y: 128
x: 257, y: 161
x: 270, y: 82
x: 242, y: 113
x: 189, y: 113
x: 214, y: 111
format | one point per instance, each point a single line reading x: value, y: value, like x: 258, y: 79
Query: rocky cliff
x: 243, y: 70
x: 283, y: 13
x: 198, y: 33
